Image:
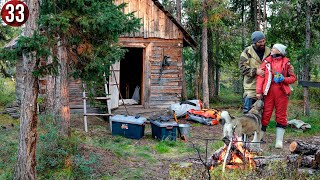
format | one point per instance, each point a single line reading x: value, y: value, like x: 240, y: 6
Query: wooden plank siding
x: 155, y: 22
x: 160, y: 89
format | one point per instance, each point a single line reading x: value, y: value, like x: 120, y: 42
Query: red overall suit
x: 275, y: 94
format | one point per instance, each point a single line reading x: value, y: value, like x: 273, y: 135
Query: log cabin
x: 153, y: 61
x: 154, y: 58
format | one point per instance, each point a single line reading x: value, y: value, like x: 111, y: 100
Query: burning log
x: 299, y: 147
x: 218, y: 153
x: 236, y: 155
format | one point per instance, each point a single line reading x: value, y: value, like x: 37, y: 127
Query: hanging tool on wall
x: 165, y: 62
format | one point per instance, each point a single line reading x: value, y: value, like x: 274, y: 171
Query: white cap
x: 282, y: 48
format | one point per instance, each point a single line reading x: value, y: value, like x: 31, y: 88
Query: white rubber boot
x: 279, y: 138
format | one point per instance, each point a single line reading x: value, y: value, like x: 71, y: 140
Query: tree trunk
x: 205, y: 90
x: 211, y: 66
x: 26, y: 163
x: 178, y: 5
x: 254, y: 15
x: 259, y: 15
x: 243, y: 25
x: 183, y: 77
x: 306, y: 76
x: 50, y: 79
x: 184, y: 95
x: 196, y: 83
x: 217, y: 85
x: 264, y: 16
x: 61, y: 106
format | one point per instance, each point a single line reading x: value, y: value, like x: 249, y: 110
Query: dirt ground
x: 111, y: 164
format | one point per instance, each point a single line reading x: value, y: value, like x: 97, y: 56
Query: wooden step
x: 95, y: 114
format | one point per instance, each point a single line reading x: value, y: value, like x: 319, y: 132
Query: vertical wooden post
x: 107, y: 94
x: 84, y: 108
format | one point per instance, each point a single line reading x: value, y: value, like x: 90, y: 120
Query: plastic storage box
x: 128, y: 126
x: 164, y: 130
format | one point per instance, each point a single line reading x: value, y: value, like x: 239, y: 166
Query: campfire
x: 234, y: 154
x: 237, y: 154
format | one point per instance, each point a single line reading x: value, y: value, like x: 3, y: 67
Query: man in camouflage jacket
x: 250, y: 61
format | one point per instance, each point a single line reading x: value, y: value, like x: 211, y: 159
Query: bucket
x: 184, y: 130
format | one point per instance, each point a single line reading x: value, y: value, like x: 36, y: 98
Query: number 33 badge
x: 15, y: 13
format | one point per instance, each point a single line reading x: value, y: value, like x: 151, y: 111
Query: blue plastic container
x: 128, y: 126
x: 164, y: 130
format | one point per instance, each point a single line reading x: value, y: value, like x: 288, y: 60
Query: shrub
x: 58, y: 156
x: 7, y: 91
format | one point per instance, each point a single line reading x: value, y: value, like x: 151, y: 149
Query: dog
x: 246, y: 124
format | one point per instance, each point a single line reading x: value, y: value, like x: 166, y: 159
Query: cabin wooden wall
x: 155, y: 23
x: 159, y: 91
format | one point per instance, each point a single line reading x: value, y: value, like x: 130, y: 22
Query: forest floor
x: 150, y: 162
x: 115, y: 157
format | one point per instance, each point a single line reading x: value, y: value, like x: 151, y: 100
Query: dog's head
x: 257, y: 107
x: 227, y: 122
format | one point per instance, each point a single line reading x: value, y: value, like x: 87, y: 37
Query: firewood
x: 293, y: 159
x: 262, y: 161
x: 218, y: 153
x: 308, y: 161
x: 317, y: 156
x: 299, y: 147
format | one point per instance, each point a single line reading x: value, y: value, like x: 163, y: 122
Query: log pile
x: 303, y: 155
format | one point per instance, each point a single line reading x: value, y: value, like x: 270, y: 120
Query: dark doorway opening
x: 131, y: 69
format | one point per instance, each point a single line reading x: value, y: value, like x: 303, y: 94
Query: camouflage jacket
x: 249, y: 63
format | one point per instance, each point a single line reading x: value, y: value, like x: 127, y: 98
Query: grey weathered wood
x: 114, y: 79
x: 96, y: 114
x: 98, y: 98
x: 309, y: 84
x: 156, y: 21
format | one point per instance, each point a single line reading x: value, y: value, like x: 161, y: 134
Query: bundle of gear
x: 208, y: 117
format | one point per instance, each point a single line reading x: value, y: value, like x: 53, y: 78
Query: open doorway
x: 131, y: 70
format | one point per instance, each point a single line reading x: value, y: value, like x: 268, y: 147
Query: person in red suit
x: 274, y: 88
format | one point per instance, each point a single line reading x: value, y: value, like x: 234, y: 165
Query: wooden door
x: 114, y: 80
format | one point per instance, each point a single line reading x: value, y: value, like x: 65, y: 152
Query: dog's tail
x: 224, y: 117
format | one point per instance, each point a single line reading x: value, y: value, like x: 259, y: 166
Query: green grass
x: 8, y: 146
